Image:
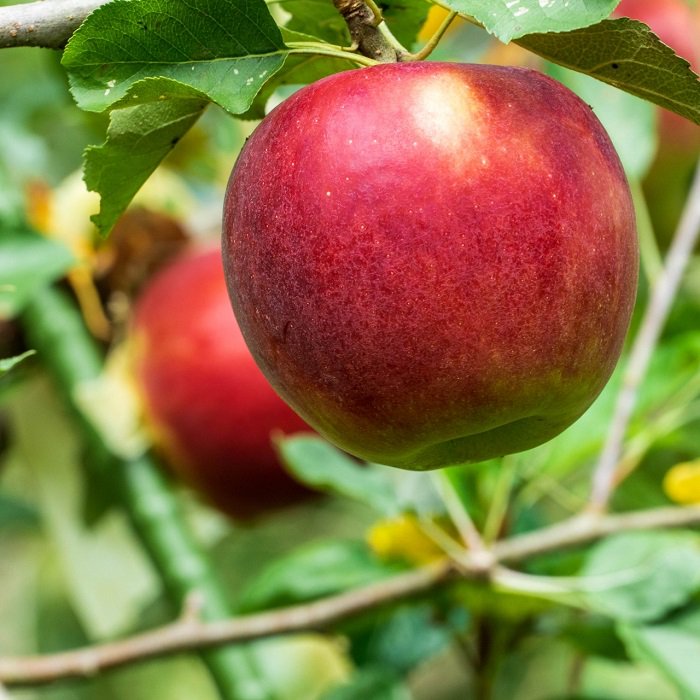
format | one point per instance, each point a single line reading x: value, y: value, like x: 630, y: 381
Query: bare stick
x: 458, y: 512
x: 189, y: 632
x: 663, y: 294
x: 47, y: 24
x: 590, y: 526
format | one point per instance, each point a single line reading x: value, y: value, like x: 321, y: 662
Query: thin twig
x: 47, y: 24
x: 458, y: 512
x: 189, y: 632
x: 498, y: 510
x: 434, y: 40
x: 606, y: 473
x: 587, y: 527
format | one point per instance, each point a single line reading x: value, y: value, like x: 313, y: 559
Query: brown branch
x: 588, y: 527
x: 46, y: 24
x: 606, y: 474
x: 369, y: 31
x: 190, y: 633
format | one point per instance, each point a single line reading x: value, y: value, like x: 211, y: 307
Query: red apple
x: 668, y: 181
x: 432, y: 263
x: 211, y: 410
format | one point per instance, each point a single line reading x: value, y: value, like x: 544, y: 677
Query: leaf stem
x: 434, y: 40
x: 309, y: 48
x: 448, y: 489
x: 499, y: 501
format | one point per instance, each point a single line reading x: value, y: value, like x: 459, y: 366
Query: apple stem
x: 370, y: 32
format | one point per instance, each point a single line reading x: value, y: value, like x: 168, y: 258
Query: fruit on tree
x: 211, y: 410
x: 432, y: 263
x: 668, y: 181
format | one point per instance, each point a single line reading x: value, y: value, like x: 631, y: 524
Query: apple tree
x: 459, y: 241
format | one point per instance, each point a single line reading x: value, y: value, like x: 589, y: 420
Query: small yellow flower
x: 682, y: 482
x: 403, y: 538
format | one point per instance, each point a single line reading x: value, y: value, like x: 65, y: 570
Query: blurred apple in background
x: 209, y: 408
x: 677, y: 24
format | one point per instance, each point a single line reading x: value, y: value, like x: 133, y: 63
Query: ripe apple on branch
x: 427, y: 273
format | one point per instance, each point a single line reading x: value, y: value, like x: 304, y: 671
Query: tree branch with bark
x: 43, y: 24
x: 190, y: 632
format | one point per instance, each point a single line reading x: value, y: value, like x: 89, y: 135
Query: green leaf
x: 7, y: 363
x: 509, y: 605
x: 406, y: 637
x: 511, y: 19
x: 626, y: 54
x: 641, y: 576
x: 297, y: 70
x: 27, y: 262
x: 16, y: 513
x: 594, y: 635
x: 320, y: 465
x: 301, y: 666
x: 672, y: 646
x: 630, y: 121
x: 375, y: 683
x: 22, y: 155
x: 673, y: 371
x: 224, y: 50
x: 318, y: 18
x: 138, y: 138
x: 312, y: 572
x: 405, y: 18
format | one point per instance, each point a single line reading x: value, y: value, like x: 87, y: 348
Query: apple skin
x: 210, y: 409
x: 433, y: 263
